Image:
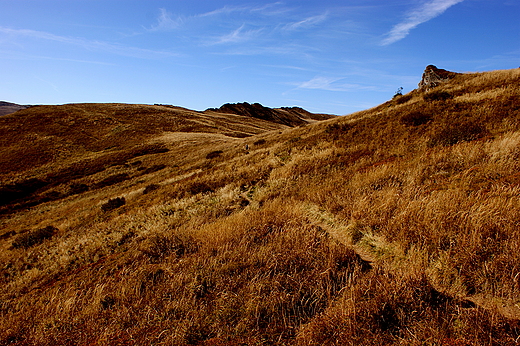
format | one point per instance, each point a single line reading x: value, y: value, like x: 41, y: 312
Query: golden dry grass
x: 397, y: 225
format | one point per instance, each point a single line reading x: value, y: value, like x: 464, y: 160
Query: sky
x: 327, y: 56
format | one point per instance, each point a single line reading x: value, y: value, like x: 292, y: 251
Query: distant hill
x: 8, y: 107
x: 138, y: 225
x: 73, y: 140
x: 290, y: 116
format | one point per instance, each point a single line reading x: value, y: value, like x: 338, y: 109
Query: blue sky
x: 323, y: 55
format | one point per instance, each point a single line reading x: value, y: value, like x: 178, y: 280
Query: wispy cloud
x: 288, y: 67
x: 289, y: 49
x: 88, y: 44
x: 268, y: 9
x: 36, y: 34
x: 21, y: 56
x: 319, y: 83
x: 307, y: 22
x: 248, y: 29
x: 274, y: 8
x: 330, y: 84
x: 165, y: 22
x: 223, y: 10
x: 424, y: 13
x: 238, y: 35
x: 48, y: 83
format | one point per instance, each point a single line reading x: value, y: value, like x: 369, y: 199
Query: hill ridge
x: 290, y: 116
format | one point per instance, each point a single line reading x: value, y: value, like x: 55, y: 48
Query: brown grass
x: 397, y: 225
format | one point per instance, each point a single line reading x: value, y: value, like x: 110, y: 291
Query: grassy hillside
x: 44, y: 148
x: 393, y: 226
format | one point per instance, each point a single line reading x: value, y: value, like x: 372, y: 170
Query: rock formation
x: 433, y: 76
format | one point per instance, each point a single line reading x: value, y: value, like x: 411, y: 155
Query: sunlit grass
x: 396, y: 225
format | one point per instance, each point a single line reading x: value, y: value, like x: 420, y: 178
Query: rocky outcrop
x: 433, y: 76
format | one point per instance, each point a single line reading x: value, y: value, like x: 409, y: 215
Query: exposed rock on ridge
x: 433, y: 76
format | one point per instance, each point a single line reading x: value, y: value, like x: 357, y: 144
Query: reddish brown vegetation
x: 393, y: 226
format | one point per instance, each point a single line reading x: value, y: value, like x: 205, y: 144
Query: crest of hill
x: 289, y: 116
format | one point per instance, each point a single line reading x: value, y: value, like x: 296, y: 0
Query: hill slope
x: 46, y: 146
x: 395, y: 225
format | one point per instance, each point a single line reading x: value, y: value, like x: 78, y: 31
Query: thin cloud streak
x: 330, y: 84
x: 10, y: 55
x: 266, y: 9
x: 236, y: 36
x: 223, y: 10
x: 424, y: 13
x: 307, y: 22
x: 87, y: 44
x: 165, y: 22
x: 271, y: 50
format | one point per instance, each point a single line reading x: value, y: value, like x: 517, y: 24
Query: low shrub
x: 28, y: 239
x: 260, y: 142
x: 400, y: 99
x: 113, y: 203
x: 150, y: 188
x: 7, y: 235
x: 113, y: 179
x: 159, y: 246
x: 107, y: 303
x: 336, y: 130
x: 415, y: 119
x: 199, y: 187
x: 437, y: 96
x: 398, y: 93
x: 136, y: 163
x: 52, y: 195
x: 150, y: 149
x: 153, y: 169
x: 237, y: 134
x: 20, y: 190
x: 76, y: 188
x: 457, y: 133
x: 127, y: 237
x: 214, y: 154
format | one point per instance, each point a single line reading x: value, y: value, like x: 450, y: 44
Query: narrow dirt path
x: 375, y: 249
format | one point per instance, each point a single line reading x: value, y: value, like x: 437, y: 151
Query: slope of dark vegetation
x: 290, y: 116
x: 397, y: 225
